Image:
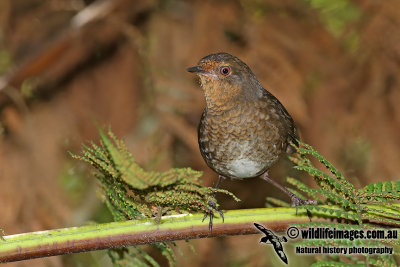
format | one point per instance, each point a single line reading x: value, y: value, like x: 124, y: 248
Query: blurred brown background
x: 69, y: 64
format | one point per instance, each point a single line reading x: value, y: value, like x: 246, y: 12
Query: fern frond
x: 371, y: 204
x: 130, y: 192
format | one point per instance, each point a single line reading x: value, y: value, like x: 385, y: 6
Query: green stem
x: 145, y: 231
x: 120, y: 234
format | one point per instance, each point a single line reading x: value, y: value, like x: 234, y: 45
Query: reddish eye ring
x: 225, y: 70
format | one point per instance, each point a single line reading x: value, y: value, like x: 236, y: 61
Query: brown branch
x: 121, y: 234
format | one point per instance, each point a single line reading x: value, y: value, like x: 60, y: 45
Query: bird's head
x: 224, y: 79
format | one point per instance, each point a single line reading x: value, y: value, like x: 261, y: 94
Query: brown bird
x: 244, y: 129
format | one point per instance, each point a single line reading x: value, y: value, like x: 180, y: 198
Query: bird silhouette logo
x: 273, y: 239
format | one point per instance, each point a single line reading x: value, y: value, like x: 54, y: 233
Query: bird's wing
x: 281, y: 254
x: 261, y: 228
x: 279, y: 250
x: 289, y: 127
x: 266, y: 231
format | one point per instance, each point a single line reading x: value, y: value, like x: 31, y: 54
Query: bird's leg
x: 296, y: 201
x: 212, y: 205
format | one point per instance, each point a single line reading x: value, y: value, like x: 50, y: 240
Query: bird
x: 244, y: 129
x: 275, y: 240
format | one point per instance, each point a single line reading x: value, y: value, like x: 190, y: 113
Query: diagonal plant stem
x: 176, y: 227
x: 120, y: 234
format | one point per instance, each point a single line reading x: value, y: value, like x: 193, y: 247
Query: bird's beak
x: 196, y: 70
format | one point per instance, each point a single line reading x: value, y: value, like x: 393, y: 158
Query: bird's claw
x: 296, y: 201
x: 210, y: 212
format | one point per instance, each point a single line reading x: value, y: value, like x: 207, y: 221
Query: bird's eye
x: 225, y: 70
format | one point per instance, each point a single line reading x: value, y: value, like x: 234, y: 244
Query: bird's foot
x: 210, y: 212
x: 296, y: 201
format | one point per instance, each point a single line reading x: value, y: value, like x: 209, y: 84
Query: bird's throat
x: 220, y: 97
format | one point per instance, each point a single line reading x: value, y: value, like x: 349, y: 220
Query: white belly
x: 244, y: 168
